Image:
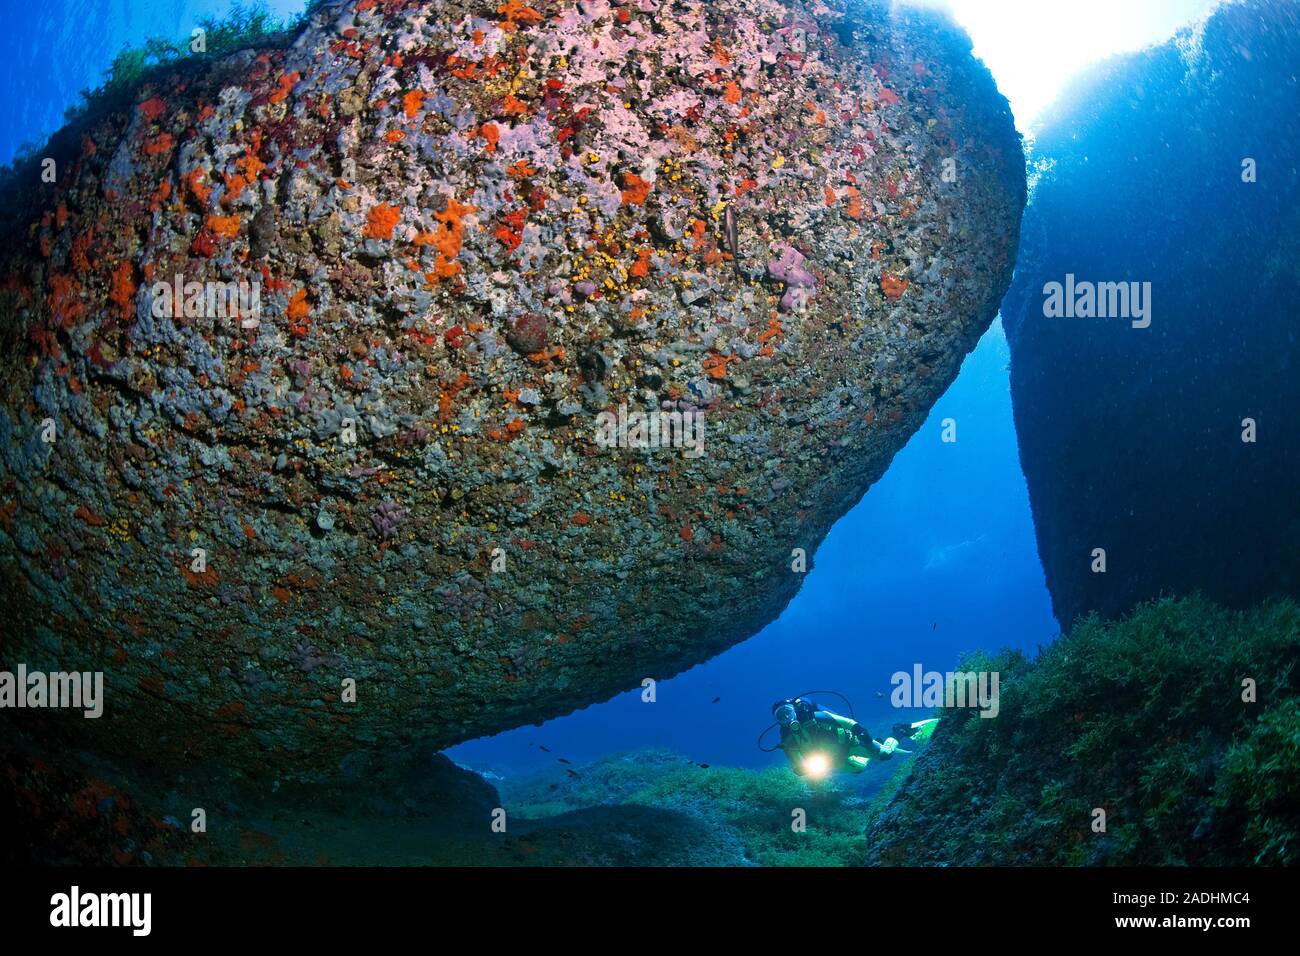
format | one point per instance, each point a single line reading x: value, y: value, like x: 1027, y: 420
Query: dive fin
x: 923, y: 729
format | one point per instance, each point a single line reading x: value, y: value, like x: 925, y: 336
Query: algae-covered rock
x: 1179, y: 722
x: 463, y: 232
x: 741, y: 817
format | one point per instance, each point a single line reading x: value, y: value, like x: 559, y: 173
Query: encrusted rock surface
x: 476, y: 227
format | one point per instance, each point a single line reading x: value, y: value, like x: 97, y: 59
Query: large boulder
x: 1175, y: 167
x: 475, y: 228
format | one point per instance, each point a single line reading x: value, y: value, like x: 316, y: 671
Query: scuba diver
x: 818, y: 742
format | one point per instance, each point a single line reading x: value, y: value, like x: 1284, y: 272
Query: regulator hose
x: 834, y: 693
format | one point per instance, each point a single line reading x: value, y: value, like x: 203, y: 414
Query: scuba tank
x: 794, y: 700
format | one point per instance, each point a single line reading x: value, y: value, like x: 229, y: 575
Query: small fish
x: 562, y: 760
x: 574, y: 774
x: 732, y: 234
x: 703, y: 766
x: 934, y: 626
x: 880, y: 693
x: 543, y: 749
x: 717, y: 699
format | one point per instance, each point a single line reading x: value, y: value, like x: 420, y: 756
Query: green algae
x: 244, y: 27
x: 1143, y: 718
x: 751, y: 812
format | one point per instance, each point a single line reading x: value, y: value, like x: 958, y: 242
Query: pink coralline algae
x: 387, y: 518
x: 798, y: 281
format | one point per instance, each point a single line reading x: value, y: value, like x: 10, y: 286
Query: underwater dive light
x: 816, y: 765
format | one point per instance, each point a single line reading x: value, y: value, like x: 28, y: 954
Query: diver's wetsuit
x: 846, y: 744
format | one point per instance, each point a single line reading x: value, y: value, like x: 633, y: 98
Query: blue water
x: 53, y: 49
